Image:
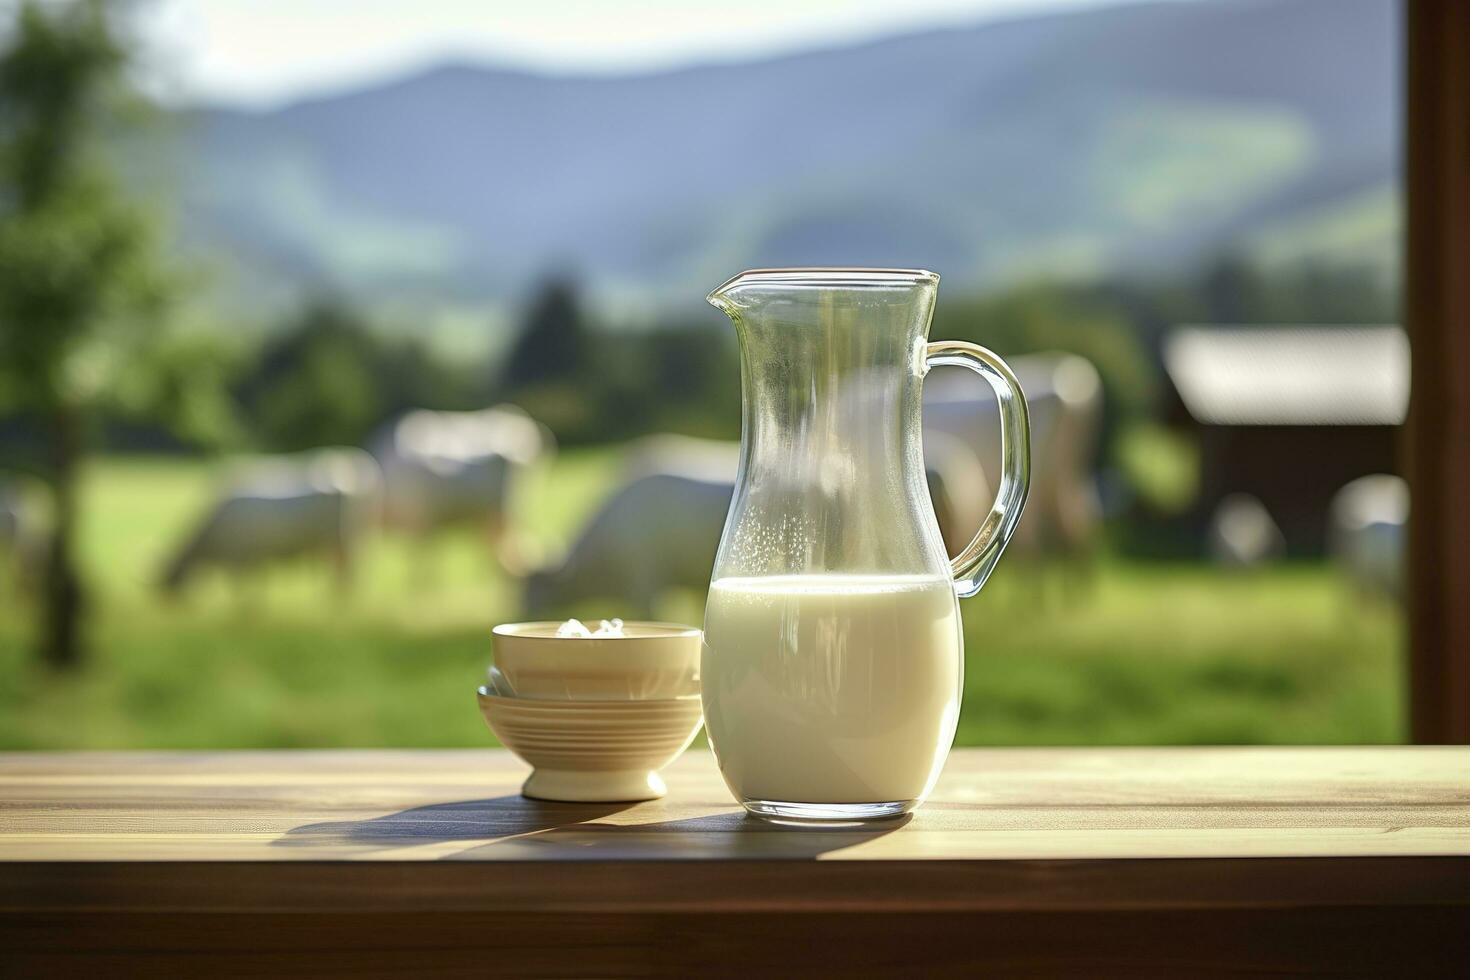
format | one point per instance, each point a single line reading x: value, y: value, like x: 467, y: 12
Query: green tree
x: 78, y: 276
x: 315, y: 384
x: 328, y: 378
x: 695, y: 379
x: 1032, y: 318
x: 549, y: 370
x: 553, y: 343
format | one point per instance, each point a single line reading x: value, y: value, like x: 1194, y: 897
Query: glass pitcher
x: 833, y: 654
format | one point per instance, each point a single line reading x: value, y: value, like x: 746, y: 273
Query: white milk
x: 831, y: 688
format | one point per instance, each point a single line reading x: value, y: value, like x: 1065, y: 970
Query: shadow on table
x: 501, y: 817
x: 519, y: 829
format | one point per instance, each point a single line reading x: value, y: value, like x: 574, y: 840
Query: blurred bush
x: 592, y: 384
x: 326, y: 378
x: 1039, y: 317
x: 1161, y: 466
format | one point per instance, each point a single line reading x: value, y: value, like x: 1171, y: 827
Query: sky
x: 266, y: 52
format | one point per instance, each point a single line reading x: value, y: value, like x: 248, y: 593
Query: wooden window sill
x: 1137, y: 861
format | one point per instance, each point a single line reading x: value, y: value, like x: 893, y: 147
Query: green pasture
x: 1135, y: 653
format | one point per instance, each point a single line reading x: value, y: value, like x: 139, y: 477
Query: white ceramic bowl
x: 649, y: 661
x: 593, y: 751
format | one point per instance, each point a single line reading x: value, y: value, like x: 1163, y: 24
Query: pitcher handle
x: 972, y: 566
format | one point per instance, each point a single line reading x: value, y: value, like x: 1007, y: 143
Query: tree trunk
x: 61, y: 626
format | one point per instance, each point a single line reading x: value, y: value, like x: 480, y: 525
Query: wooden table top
x: 1054, y: 804
x: 1232, y: 857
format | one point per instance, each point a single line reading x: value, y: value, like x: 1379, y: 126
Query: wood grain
x: 1033, y: 862
x: 1437, y: 315
x: 990, y: 804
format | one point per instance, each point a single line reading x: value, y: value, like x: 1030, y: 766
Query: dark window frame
x: 1437, y: 314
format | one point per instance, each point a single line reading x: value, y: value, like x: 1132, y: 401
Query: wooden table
x: 1167, y: 862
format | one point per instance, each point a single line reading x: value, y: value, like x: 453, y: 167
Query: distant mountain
x: 1111, y: 139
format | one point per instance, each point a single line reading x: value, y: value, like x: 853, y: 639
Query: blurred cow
x: 658, y: 531
x: 660, y: 528
x: 1064, y: 394
x: 958, y: 488
x: 318, y: 503
x: 442, y: 469
x: 1367, y: 531
x: 1243, y: 534
x: 22, y: 531
x: 714, y: 460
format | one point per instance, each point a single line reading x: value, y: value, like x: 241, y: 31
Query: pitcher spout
x: 719, y: 297
x: 742, y: 291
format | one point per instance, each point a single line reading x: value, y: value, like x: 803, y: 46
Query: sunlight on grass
x: 1133, y: 653
x: 1161, y: 465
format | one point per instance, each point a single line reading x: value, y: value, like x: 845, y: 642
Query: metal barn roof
x: 1291, y: 375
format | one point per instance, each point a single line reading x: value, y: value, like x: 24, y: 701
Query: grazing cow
x: 21, y: 531
x: 1243, y: 534
x: 714, y: 460
x: 958, y: 488
x: 660, y: 528
x: 656, y: 532
x: 1367, y: 530
x: 1064, y: 394
x: 443, y: 469
x: 321, y: 502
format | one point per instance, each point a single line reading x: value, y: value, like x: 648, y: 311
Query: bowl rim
x: 661, y: 631
x: 563, y: 704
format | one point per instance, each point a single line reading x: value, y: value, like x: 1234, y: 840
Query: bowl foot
x: 574, y: 786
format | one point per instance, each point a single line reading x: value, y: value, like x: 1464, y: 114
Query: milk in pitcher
x: 832, y: 688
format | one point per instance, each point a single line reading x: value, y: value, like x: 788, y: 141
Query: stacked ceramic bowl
x: 595, y: 716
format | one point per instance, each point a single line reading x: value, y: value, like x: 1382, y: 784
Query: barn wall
x: 1295, y: 470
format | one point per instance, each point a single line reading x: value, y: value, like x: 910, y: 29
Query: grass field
x: 1147, y: 653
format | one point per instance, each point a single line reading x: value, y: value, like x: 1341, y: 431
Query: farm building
x: 1288, y: 415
